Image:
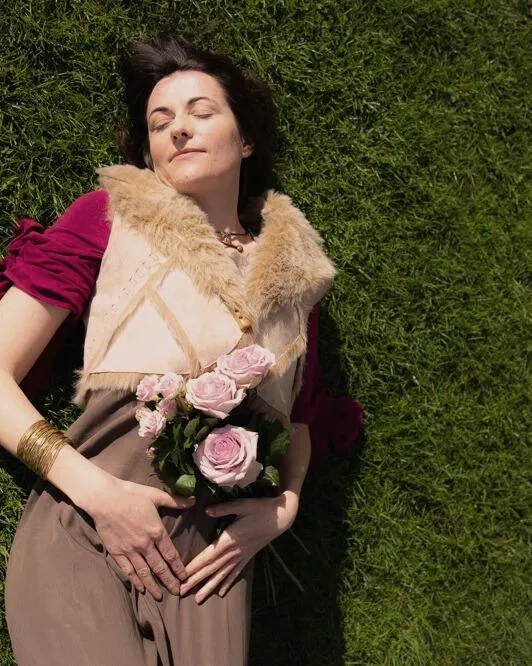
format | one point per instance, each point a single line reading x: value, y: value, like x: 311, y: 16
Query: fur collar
x: 288, y: 267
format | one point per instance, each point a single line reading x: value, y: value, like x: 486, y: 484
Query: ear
x: 247, y: 148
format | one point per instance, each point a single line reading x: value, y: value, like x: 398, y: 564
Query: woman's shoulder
x: 59, y: 264
x: 82, y: 228
x: 86, y: 220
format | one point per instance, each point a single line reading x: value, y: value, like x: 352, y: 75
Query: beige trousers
x: 69, y: 604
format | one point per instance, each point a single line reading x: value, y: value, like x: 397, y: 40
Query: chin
x: 189, y: 187
x: 198, y: 185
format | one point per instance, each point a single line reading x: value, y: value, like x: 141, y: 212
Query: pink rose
x: 147, y: 388
x: 171, y: 384
x: 228, y: 456
x: 151, y: 424
x: 167, y: 407
x: 214, y: 394
x: 141, y: 412
x: 247, y: 366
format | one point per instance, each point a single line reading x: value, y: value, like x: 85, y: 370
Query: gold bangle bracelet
x: 39, y: 445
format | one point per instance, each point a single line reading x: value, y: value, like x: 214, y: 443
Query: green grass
x: 407, y: 129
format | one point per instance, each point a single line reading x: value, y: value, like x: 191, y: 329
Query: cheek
x: 156, y: 148
x: 226, y: 143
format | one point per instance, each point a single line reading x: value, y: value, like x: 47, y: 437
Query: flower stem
x: 307, y: 551
x: 270, y: 585
x: 285, y: 568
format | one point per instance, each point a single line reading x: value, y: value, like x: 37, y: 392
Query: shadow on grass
x: 20, y: 474
x: 307, y: 628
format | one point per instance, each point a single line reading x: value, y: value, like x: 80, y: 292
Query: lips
x: 186, y: 151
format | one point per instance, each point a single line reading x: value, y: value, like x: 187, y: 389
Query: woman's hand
x: 258, y: 521
x: 126, y: 518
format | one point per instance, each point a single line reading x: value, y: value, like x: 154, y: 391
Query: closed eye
x: 158, y: 128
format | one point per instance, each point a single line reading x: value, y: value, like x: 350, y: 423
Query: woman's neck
x: 220, y: 205
x: 221, y: 208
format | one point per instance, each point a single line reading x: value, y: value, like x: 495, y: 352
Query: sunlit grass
x: 407, y: 144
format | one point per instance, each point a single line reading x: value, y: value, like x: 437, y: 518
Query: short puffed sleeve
x: 59, y: 265
x: 335, y: 422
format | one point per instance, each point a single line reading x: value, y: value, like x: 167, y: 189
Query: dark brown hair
x: 250, y: 100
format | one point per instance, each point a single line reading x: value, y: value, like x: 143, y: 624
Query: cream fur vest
x: 169, y: 297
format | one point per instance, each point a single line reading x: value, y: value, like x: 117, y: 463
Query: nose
x: 180, y: 131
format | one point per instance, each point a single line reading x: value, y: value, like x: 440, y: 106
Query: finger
x: 161, y: 569
x: 129, y: 570
x: 238, y: 507
x: 208, y: 570
x: 170, y: 554
x: 162, y: 498
x: 145, y: 575
x: 213, y: 583
x: 231, y: 578
x: 201, y: 560
x: 210, y: 553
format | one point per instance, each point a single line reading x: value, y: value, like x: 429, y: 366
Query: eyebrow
x: 190, y: 102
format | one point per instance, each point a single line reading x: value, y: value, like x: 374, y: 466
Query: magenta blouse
x: 59, y: 265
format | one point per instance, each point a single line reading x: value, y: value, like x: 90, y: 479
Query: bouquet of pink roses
x: 206, y: 431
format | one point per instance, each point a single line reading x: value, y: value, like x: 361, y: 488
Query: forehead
x: 178, y: 87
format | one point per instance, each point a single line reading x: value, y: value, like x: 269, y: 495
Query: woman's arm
x: 27, y: 327
x: 295, y: 463
x: 293, y: 469
x: 124, y: 513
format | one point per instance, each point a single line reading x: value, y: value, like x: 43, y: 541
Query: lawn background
x: 407, y: 138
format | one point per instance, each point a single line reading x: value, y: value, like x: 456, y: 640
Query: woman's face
x: 187, y: 111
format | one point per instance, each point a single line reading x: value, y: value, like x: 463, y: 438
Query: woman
x: 177, y: 260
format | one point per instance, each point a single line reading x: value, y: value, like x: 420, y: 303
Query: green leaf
x: 176, y: 430
x: 163, y: 459
x: 185, y: 485
x: 191, y: 427
x: 164, y: 444
x: 280, y: 444
x: 272, y: 475
x: 211, y: 421
x: 176, y: 458
x: 202, y: 433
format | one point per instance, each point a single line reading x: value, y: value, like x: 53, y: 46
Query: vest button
x: 244, y: 322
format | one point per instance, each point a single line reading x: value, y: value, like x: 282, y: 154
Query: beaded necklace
x: 226, y: 238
